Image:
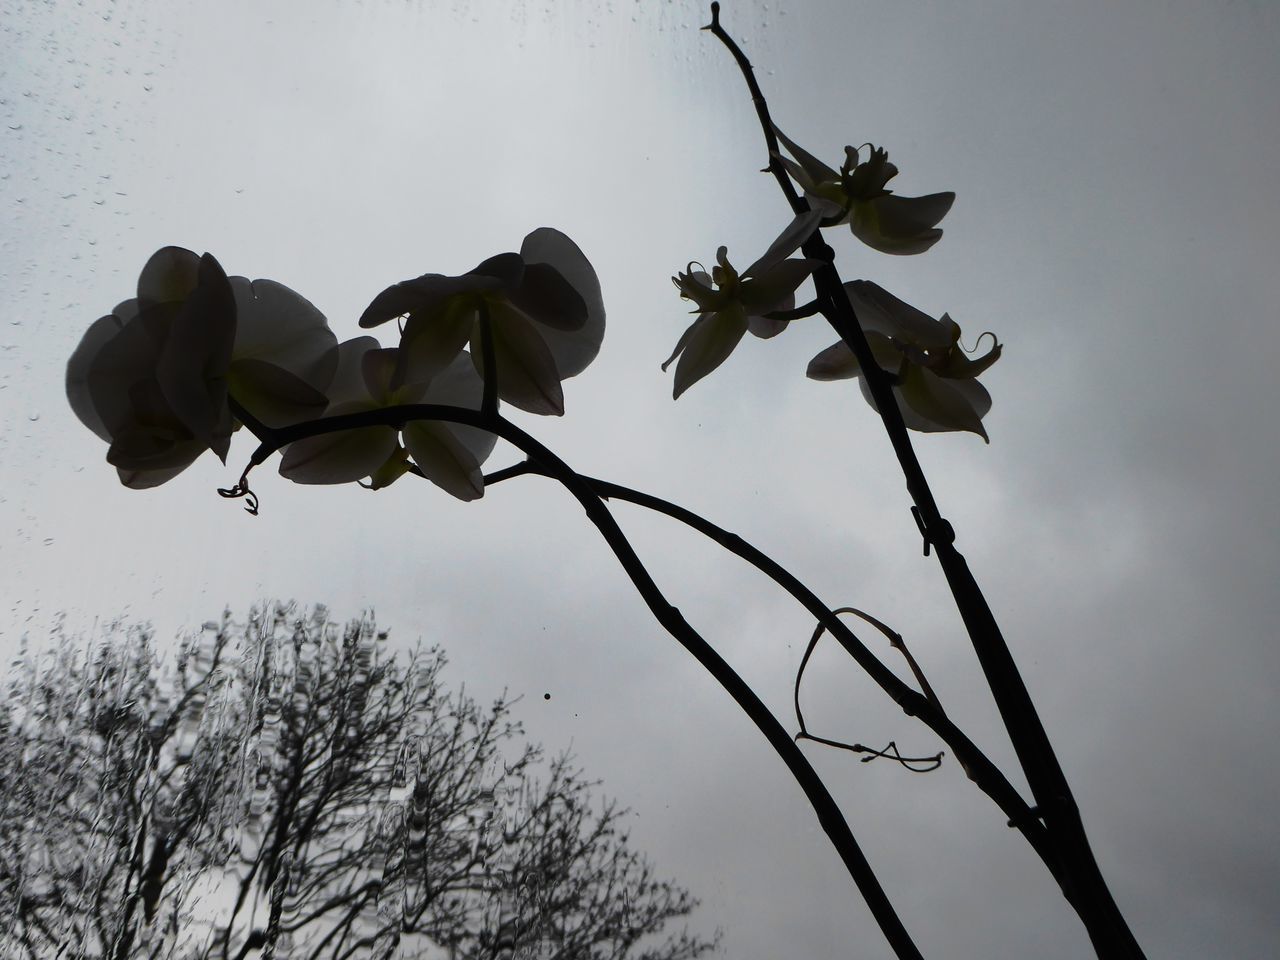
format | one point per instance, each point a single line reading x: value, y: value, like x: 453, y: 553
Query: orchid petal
x: 833, y: 212
x: 796, y: 172
x: 170, y: 275
x: 283, y: 328
x: 431, y: 340
x: 136, y: 479
x: 444, y: 459
x: 193, y: 361
x: 788, y: 242
x: 682, y: 342
x: 377, y: 370
x: 340, y: 457
x: 460, y: 386
x: 397, y: 466
x: 426, y: 295
x: 907, y: 216
x: 766, y: 328
x: 814, y: 168
x: 348, y: 384
x: 526, y: 371
x: 931, y: 404
x: 838, y: 362
x: 274, y: 395
x: 765, y: 292
x: 123, y: 361
x: 507, y: 269
x: 549, y: 299
x: 711, y: 339
x: 877, y: 309
x: 573, y: 350
x: 79, y: 395
x: 959, y: 367
x: 894, y: 225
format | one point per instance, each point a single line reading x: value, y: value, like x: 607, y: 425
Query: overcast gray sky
x: 1117, y: 224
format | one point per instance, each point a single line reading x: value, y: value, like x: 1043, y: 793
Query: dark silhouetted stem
x: 1082, y: 881
x: 976, y: 764
x: 489, y: 404
x: 824, y: 805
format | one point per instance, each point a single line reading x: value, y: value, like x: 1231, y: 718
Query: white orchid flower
x: 933, y: 377
x: 153, y: 377
x: 150, y: 378
x: 856, y: 195
x: 730, y: 304
x: 544, y: 311
x: 449, y: 455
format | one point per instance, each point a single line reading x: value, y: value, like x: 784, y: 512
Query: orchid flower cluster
x: 161, y: 377
x: 933, y: 378
x: 176, y: 370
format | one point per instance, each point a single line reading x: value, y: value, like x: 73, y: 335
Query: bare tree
x: 289, y: 788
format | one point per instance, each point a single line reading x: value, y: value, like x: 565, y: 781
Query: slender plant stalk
x: 824, y: 805
x: 1081, y: 879
x: 977, y: 766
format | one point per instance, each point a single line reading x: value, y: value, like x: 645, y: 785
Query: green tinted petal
x: 944, y: 405
x: 273, y: 394
x: 682, y: 343
x: 444, y: 459
x: 912, y: 216
x: 877, y: 309
x: 526, y: 370
x: 397, y: 466
x: 711, y: 339
x: 864, y: 221
x: 432, y: 339
x: 959, y: 366
x: 767, y: 291
x: 788, y: 242
x: 815, y: 169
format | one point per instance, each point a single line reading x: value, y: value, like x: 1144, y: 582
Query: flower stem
x: 489, y: 403
x: 1082, y: 881
x: 824, y: 805
x: 977, y: 766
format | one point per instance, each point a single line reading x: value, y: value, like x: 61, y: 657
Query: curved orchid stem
x: 977, y: 766
x: 489, y: 403
x: 824, y: 805
x: 1078, y: 872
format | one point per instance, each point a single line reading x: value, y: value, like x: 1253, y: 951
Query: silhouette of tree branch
x: 104, y: 847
